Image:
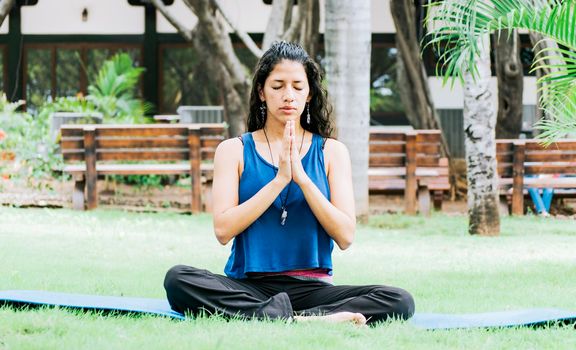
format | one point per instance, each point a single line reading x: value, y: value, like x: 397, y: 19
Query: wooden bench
x: 92, y: 150
x: 520, y: 158
x: 409, y: 162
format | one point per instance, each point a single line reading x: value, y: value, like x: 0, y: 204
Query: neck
x: 275, y: 132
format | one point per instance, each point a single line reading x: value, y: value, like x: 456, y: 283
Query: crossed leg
x: 195, y: 290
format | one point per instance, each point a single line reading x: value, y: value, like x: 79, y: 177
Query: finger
x: 294, y: 147
x: 286, y: 142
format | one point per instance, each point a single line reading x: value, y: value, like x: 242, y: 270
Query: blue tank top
x: 266, y: 245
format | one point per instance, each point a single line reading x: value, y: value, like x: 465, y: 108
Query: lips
x: 288, y: 108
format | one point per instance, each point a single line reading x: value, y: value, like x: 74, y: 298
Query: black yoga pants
x: 279, y: 297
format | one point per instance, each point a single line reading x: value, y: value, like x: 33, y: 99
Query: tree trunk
x: 211, y: 40
x: 347, y: 41
x: 304, y: 28
x: 310, y: 33
x: 412, y: 77
x: 5, y: 7
x: 480, y: 142
x: 510, y: 85
x: 277, y: 23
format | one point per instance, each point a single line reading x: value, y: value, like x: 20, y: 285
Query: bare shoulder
x: 335, y: 155
x: 229, y: 149
x: 334, y: 148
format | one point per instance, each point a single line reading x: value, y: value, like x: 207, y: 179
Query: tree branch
x: 5, y: 7
x: 246, y: 39
x: 298, y: 21
x: 218, y: 39
x: 276, y: 22
x: 186, y: 33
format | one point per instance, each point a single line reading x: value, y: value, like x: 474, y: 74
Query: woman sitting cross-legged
x: 283, y: 193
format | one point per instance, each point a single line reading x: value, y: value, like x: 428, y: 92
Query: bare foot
x: 345, y: 316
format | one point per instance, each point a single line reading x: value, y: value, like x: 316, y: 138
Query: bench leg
x: 518, y: 203
x: 207, y: 197
x: 438, y: 198
x: 424, y: 200
x: 504, y: 206
x: 91, y: 193
x: 78, y: 193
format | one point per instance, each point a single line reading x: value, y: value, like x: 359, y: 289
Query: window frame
x: 83, y: 48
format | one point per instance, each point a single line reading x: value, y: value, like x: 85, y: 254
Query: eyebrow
x: 281, y: 81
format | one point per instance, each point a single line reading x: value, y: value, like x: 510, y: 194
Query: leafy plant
x: 113, y: 92
x: 457, y: 26
x: 28, y: 139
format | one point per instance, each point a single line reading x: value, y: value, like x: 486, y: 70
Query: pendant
x: 283, y: 217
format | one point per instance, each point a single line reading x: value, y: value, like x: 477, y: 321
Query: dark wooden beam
x: 150, y: 61
x: 147, y: 2
x: 14, y: 60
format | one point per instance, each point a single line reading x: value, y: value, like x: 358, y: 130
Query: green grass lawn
x: 531, y: 265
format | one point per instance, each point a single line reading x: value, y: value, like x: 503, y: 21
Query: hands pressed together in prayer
x: 290, y: 165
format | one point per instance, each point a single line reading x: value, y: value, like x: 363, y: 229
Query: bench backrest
x: 530, y: 157
x: 395, y: 148
x: 147, y: 142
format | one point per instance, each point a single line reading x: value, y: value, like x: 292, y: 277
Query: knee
x: 405, y: 306
x: 173, y: 278
x: 400, y: 302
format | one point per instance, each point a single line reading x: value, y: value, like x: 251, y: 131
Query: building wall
x: 446, y: 97
x: 117, y: 17
x: 252, y: 16
x: 65, y: 17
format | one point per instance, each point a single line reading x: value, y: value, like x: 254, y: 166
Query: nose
x: 289, y: 95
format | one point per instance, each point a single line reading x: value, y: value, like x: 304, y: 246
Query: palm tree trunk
x: 479, y: 129
x: 347, y: 41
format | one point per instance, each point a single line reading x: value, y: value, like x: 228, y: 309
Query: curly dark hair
x: 320, y: 121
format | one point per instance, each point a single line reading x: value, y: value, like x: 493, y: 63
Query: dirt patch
x: 173, y: 198
x: 177, y: 197
x: 58, y: 194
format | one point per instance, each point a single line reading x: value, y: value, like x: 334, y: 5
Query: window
x: 38, y: 85
x: 526, y: 58
x: 185, y: 79
x: 385, y: 104
x: 60, y: 70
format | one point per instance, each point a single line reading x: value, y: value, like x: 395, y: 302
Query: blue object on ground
x: 512, y: 318
x: 90, y: 302
x: 161, y: 307
x: 541, y: 202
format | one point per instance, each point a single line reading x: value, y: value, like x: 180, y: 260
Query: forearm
x: 338, y: 224
x: 233, y: 221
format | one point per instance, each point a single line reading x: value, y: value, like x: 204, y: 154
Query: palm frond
x: 463, y: 22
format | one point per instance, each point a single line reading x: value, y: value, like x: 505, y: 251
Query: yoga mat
x: 528, y: 317
x: 89, y: 302
x: 512, y: 318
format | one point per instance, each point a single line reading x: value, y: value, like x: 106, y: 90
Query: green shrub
x: 27, y: 137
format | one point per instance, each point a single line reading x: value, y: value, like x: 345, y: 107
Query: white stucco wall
x: 252, y: 16
x: 181, y: 12
x: 4, y: 27
x: 65, y: 17
x: 382, y: 21
x: 446, y: 97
